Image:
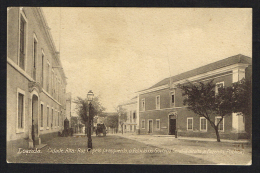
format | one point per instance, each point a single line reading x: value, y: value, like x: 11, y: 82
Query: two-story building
x: 161, y: 109
x: 131, y: 123
x: 36, y: 82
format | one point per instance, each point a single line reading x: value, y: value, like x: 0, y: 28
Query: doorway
x: 34, y: 130
x: 172, y: 125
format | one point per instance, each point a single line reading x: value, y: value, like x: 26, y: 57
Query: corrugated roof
x: 204, y: 69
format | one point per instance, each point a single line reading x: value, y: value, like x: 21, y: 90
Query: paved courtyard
x: 133, y: 149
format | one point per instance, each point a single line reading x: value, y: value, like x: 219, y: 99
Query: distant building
x: 36, y: 82
x: 68, y: 107
x: 132, y: 122
x: 161, y: 109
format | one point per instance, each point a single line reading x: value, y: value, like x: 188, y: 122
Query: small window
x: 143, y: 104
x: 203, y: 124
x: 47, y: 76
x: 143, y: 124
x: 41, y: 116
x: 35, y: 53
x: 219, y: 85
x: 52, y: 112
x: 42, y: 73
x: 58, y: 118
x: 157, y: 102
x: 47, y: 118
x: 221, y: 124
x: 158, y: 124
x: 189, y: 123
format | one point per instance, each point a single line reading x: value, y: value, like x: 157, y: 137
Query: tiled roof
x: 209, y: 67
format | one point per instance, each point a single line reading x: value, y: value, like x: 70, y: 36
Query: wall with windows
x: 31, y: 59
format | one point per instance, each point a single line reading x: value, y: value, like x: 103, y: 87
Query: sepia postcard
x: 160, y: 86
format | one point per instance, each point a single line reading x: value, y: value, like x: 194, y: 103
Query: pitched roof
x: 206, y: 68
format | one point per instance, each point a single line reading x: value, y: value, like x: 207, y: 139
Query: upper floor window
x: 22, y: 42
x: 173, y: 99
x: 47, y: 76
x: 35, y: 48
x: 157, y: 102
x: 47, y: 118
x: 143, y: 104
x: 221, y: 124
x: 130, y: 116
x: 219, y: 85
x: 42, y: 73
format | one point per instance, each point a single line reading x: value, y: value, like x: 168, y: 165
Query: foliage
x: 112, y: 121
x: 202, y: 100
x: 122, y: 115
x: 242, y: 97
x: 82, y: 108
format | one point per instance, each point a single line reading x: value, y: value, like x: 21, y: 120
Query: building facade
x: 131, y: 123
x: 36, y: 83
x: 161, y: 109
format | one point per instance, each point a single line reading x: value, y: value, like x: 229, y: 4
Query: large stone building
x: 36, y: 83
x: 161, y: 109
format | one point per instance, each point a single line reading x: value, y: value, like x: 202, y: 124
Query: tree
x: 122, y: 116
x: 82, y: 109
x: 242, y: 100
x: 203, y: 101
x: 112, y: 121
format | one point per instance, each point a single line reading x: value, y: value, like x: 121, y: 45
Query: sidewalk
x: 195, y: 139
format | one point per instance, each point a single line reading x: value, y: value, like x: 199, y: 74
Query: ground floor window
x: 41, y: 116
x: 190, y: 123
x: 157, y: 123
x: 47, y: 117
x: 221, y: 124
x: 20, y: 113
x: 143, y: 124
x: 203, y: 124
x: 130, y: 127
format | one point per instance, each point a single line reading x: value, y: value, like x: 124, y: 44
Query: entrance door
x: 150, y: 126
x: 172, y: 126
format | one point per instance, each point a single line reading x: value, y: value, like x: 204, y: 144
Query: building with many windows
x: 161, y: 109
x: 36, y: 83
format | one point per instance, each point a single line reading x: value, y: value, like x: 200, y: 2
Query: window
x: 130, y: 127
x: 125, y: 127
x: 173, y: 99
x: 134, y: 117
x: 143, y: 104
x: 143, y: 124
x: 42, y: 77
x: 219, y: 85
x: 221, y: 124
x: 48, y: 109
x: 35, y: 47
x: 203, y: 124
x: 190, y: 123
x: 22, y: 43
x: 130, y: 116
x: 157, y: 102
x: 52, y: 118
x: 157, y: 123
x: 55, y: 119
x: 41, y: 128
x: 20, y: 111
x: 52, y: 83
x: 47, y: 77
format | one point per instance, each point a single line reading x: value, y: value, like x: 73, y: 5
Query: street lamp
x: 90, y: 96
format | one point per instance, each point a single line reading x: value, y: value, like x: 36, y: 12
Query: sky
x: 116, y: 52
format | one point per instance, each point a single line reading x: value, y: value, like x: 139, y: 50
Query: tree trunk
x: 217, y: 133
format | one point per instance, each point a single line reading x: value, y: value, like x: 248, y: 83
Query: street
x: 131, y: 149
